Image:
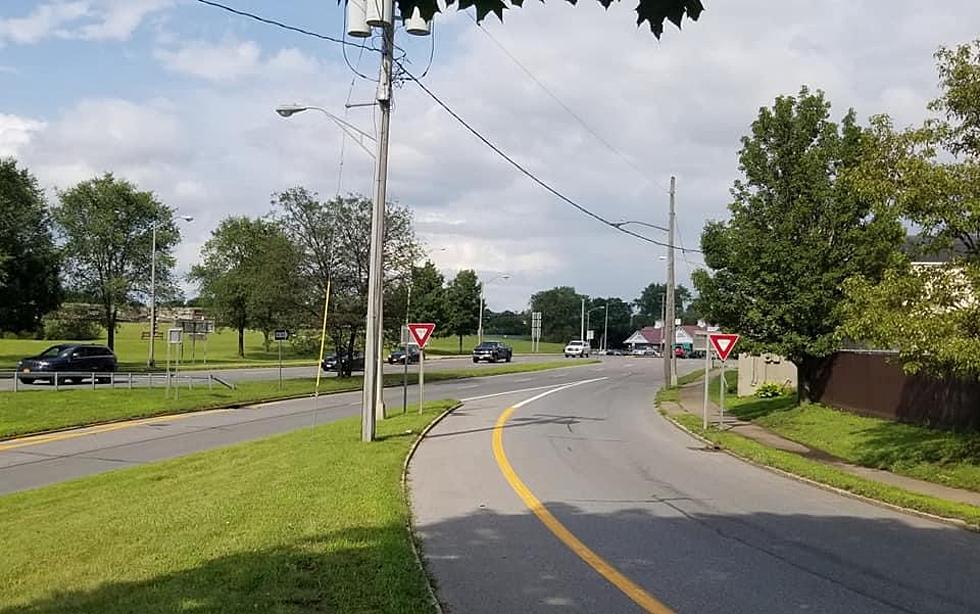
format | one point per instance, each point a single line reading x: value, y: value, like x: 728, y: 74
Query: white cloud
x: 222, y: 62
x: 84, y: 19
x: 118, y: 19
x: 42, y: 22
x: 16, y: 132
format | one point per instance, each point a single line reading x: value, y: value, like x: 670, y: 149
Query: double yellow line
x: 632, y: 590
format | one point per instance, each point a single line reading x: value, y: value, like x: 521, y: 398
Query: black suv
x: 492, y: 351
x: 331, y: 363
x: 398, y: 356
x: 70, y: 358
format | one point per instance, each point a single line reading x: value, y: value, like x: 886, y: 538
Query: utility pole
x: 670, y: 335
x: 479, y: 328
x: 605, y: 329
x: 151, y: 360
x: 371, y: 403
x: 582, y: 328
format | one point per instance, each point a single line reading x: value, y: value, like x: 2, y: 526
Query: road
x: 33, y: 462
x: 591, y: 502
x: 272, y: 373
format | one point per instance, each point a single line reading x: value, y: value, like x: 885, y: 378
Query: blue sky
x: 179, y: 98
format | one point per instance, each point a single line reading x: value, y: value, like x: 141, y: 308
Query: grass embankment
x: 671, y: 393
x: 34, y: 411
x: 310, y: 521
x: 222, y: 348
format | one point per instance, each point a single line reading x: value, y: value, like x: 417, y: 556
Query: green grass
x: 825, y: 474
x: 672, y: 393
x: 310, y: 521
x: 939, y: 456
x: 33, y: 411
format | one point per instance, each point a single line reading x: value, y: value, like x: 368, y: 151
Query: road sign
x: 723, y: 344
x: 421, y: 332
x: 281, y: 335
x: 175, y: 335
x: 589, y: 335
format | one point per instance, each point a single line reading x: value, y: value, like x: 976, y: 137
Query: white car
x: 578, y: 349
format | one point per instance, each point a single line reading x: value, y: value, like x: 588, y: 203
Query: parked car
x: 578, y: 349
x: 680, y: 353
x: 492, y: 351
x: 331, y: 363
x: 615, y: 352
x: 398, y: 356
x: 68, y: 358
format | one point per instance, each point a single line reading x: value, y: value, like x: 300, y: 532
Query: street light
x: 588, y: 318
x: 151, y: 359
x: 359, y: 136
x: 479, y: 335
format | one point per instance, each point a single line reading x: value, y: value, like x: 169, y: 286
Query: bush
x: 305, y: 343
x: 71, y: 329
x: 769, y: 390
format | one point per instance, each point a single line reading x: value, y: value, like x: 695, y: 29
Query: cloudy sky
x: 179, y: 97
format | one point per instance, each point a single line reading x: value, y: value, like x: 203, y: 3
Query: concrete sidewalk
x: 692, y: 401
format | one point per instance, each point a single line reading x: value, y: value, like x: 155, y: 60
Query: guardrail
x: 115, y: 380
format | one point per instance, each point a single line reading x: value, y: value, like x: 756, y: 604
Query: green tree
x: 249, y: 276
x: 29, y: 262
x: 650, y: 303
x: 429, y: 296
x: 653, y: 12
x: 507, y: 323
x: 106, y: 225
x: 463, y: 304
x: 797, y: 230
x: 620, y: 320
x: 561, y: 313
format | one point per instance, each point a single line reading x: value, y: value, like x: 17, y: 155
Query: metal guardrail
x: 127, y: 380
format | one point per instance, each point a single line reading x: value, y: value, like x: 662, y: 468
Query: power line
x: 547, y: 187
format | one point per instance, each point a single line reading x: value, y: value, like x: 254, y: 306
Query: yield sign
x: 723, y: 344
x: 421, y: 333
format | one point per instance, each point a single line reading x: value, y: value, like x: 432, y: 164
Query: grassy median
x: 310, y: 521
x: 34, y: 411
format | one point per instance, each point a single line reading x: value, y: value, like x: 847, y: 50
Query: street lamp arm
x: 639, y: 223
x: 358, y: 135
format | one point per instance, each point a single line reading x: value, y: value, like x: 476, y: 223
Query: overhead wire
x: 486, y: 141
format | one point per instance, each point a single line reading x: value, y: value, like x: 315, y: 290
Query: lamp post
x: 479, y: 334
x: 151, y: 358
x: 588, y: 319
x: 359, y: 136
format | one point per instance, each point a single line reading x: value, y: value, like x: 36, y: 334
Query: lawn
x: 222, y: 348
x: 33, y: 411
x: 310, y: 521
x: 940, y: 456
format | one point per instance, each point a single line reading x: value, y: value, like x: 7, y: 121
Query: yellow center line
x: 632, y: 590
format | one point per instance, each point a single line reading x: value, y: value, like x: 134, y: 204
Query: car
x: 578, y: 349
x: 614, y: 352
x: 398, y: 356
x: 331, y: 363
x: 74, y: 358
x: 680, y: 352
x: 492, y: 351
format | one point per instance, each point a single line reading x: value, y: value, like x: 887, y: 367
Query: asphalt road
x: 616, y: 490
x: 272, y: 373
x: 46, y: 459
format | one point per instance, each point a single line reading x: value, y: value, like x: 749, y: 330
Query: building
x: 690, y: 338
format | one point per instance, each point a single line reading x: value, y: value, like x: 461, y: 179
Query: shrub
x: 71, y: 329
x: 305, y: 343
x: 769, y: 390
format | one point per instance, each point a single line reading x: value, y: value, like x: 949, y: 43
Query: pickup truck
x: 578, y: 349
x: 492, y: 351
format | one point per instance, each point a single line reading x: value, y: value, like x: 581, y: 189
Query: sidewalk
x: 692, y: 401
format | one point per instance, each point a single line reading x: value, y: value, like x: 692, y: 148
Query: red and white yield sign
x: 421, y: 333
x: 723, y: 344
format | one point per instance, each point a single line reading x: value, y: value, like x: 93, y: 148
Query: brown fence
x: 874, y: 384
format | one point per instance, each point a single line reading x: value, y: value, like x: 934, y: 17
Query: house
x: 688, y: 337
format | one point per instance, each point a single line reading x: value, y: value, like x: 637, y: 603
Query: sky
x: 179, y: 98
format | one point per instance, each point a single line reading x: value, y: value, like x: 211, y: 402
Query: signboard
x: 723, y: 344
x: 421, y: 332
x: 175, y: 335
x: 589, y: 335
x: 281, y: 335
x: 406, y: 338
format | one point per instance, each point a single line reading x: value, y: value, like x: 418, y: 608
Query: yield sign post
x: 421, y: 332
x: 723, y: 343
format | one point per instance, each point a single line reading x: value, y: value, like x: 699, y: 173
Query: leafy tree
x: 797, y: 231
x: 428, y: 296
x: 107, y: 225
x: 29, y: 262
x: 248, y: 276
x: 463, y: 304
x: 620, y: 320
x: 650, y: 304
x: 561, y: 312
x: 507, y: 323
x: 653, y: 12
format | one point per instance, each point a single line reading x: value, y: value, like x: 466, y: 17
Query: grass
x: 825, y: 474
x: 940, y: 456
x: 310, y: 521
x: 222, y: 348
x: 671, y: 393
x: 34, y: 411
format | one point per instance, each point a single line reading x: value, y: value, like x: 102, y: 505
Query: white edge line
x: 559, y: 389
x: 506, y: 392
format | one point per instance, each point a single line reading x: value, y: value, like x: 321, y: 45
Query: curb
x: 410, y: 526
x: 956, y: 522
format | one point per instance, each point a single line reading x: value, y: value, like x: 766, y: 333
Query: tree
x: 428, y: 296
x: 507, y: 323
x: 107, y: 226
x: 653, y: 12
x: 797, y: 230
x: 463, y: 304
x: 561, y: 312
x: 29, y: 262
x: 650, y: 304
x: 249, y: 276
x: 620, y: 320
